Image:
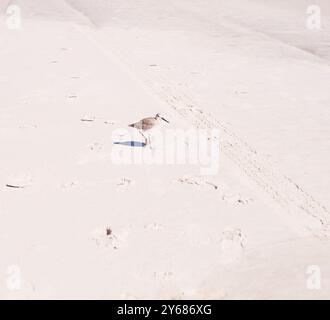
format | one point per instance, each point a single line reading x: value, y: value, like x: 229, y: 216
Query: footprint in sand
x: 109, y: 238
x: 69, y: 184
x: 72, y: 96
x: 193, y: 109
x: 28, y: 126
x: 110, y: 122
x: 91, y: 118
x: 94, y: 152
x: 97, y: 147
x: 39, y: 248
x: 236, y: 199
x: 154, y: 226
x: 123, y: 183
x: 198, y: 181
x: 163, y: 275
x: 230, y: 198
x: 87, y: 119
x: 20, y: 181
x: 232, y: 245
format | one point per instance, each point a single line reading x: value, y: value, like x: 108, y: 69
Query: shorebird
x: 147, y: 124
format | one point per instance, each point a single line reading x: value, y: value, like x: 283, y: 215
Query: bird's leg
x: 145, y: 139
x: 149, y: 141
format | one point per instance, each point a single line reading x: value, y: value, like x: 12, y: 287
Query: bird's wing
x: 148, y: 123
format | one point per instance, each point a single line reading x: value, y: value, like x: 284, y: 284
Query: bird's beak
x: 165, y: 120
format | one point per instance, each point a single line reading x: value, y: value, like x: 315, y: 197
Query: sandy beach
x: 75, y: 224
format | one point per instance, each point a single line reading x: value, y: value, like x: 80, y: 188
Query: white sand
x: 251, y: 231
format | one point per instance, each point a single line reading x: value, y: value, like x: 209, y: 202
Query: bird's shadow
x: 131, y: 143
